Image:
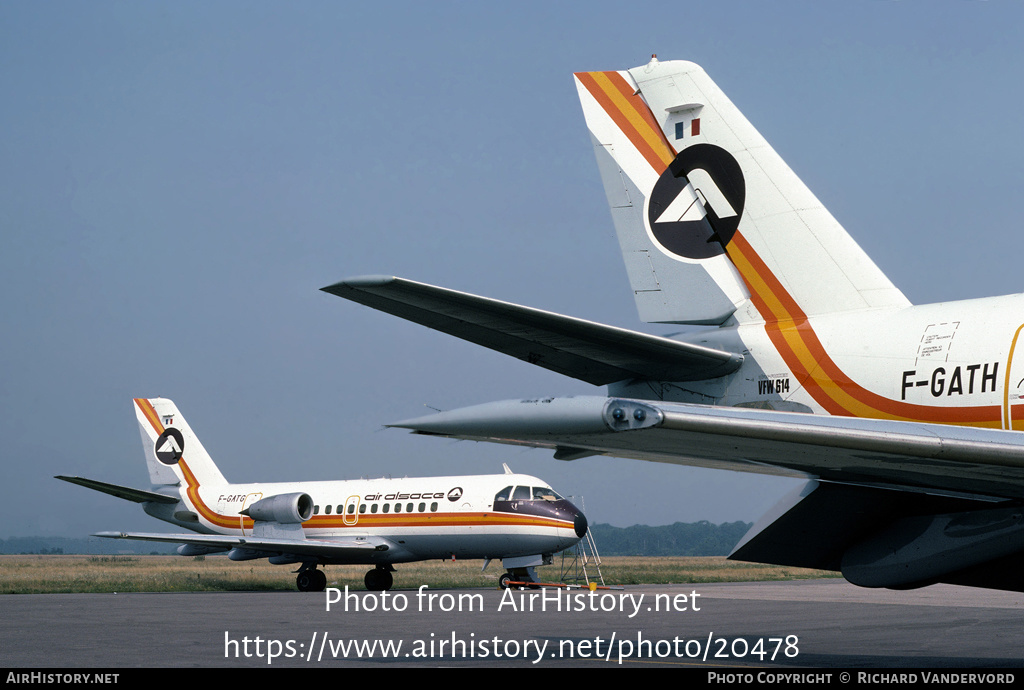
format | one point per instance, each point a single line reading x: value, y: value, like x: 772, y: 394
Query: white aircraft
x: 377, y: 522
x: 802, y: 359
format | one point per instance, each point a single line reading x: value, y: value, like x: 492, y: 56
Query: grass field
x: 53, y: 574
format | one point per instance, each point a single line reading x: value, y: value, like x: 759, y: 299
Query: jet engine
x: 283, y: 508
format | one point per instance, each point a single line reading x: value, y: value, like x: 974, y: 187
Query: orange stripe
x: 151, y: 415
x: 785, y: 322
x: 647, y: 126
x: 192, y: 484
x: 435, y: 520
x: 791, y: 333
x: 631, y: 115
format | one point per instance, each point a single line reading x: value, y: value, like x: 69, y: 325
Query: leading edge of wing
x: 310, y: 547
x: 584, y: 350
x: 951, y: 460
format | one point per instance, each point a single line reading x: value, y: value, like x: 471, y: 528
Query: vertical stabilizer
x: 173, y: 453
x: 707, y: 214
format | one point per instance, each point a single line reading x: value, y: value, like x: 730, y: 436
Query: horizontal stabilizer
x: 125, y: 492
x: 584, y: 350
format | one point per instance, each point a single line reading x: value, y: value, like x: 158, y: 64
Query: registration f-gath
x: 798, y: 356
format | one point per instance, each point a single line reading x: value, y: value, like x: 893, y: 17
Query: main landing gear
x: 379, y: 579
x: 310, y: 579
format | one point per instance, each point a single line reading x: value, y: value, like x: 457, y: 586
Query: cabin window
x: 338, y: 510
x: 423, y: 507
x: 398, y: 507
x: 408, y: 507
x: 362, y: 508
x: 433, y: 507
x: 316, y: 510
x: 387, y: 507
x: 504, y: 494
x: 327, y: 510
x: 373, y: 508
x: 351, y: 508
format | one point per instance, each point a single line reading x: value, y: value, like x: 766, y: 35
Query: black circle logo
x: 455, y: 494
x: 718, y: 180
x: 170, y: 446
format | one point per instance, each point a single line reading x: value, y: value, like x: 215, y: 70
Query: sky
x: 178, y: 180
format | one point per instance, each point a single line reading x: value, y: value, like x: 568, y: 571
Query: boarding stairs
x: 582, y: 564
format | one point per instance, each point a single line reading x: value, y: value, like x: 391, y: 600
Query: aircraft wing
x: 584, y: 350
x: 965, y: 462
x: 888, y: 503
x: 267, y: 546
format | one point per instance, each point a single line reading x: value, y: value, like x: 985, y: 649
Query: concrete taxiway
x: 820, y: 623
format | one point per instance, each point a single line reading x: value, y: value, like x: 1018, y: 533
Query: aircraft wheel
x: 378, y: 580
x: 306, y: 581
x: 504, y: 580
x: 319, y: 580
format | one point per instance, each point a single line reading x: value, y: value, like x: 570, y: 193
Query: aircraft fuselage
x: 421, y: 518
x: 952, y: 363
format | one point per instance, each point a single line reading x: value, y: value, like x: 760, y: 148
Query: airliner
x: 513, y: 517
x: 798, y: 356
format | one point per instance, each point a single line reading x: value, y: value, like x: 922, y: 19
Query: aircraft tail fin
x: 173, y: 453
x: 710, y: 219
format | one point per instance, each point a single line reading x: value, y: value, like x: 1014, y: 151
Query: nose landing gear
x: 518, y: 575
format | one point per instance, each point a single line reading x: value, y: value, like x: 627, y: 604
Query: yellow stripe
x: 1007, y: 415
x: 634, y: 118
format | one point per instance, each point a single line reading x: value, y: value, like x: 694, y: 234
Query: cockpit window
x: 545, y: 494
x: 527, y: 493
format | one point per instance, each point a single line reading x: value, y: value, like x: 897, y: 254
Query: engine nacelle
x: 285, y: 509
x: 199, y: 550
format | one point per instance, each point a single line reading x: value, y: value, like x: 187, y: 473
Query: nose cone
x: 580, y: 525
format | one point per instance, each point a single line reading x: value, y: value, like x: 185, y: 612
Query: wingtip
x: 359, y: 282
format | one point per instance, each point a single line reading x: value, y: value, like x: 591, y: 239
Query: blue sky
x: 179, y: 180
